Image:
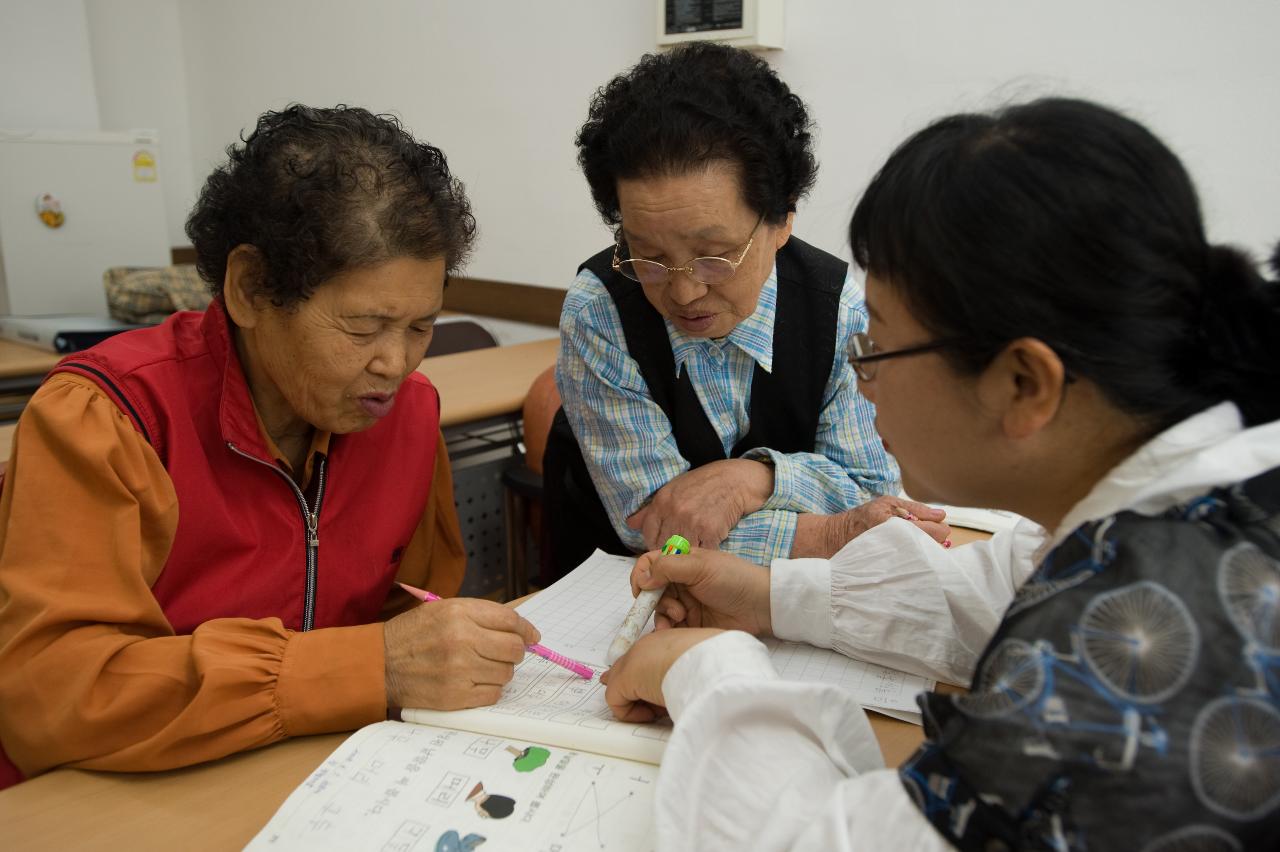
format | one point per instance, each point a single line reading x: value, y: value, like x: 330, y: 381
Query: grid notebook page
x: 579, y: 616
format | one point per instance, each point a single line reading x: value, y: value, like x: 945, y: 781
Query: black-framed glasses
x: 865, y: 356
x: 705, y: 270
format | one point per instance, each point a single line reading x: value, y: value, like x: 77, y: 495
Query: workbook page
x: 580, y: 615
x: 551, y: 705
x: 411, y: 788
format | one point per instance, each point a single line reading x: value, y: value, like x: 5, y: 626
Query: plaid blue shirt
x: 627, y: 440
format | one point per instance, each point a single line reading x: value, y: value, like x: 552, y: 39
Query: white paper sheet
x: 580, y: 614
x: 986, y: 520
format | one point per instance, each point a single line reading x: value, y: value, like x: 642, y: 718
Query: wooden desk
x: 18, y: 360
x: 223, y: 804
x: 22, y: 368
x: 485, y: 383
x: 219, y: 805
x: 476, y: 385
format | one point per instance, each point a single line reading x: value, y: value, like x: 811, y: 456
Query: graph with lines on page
x: 580, y: 615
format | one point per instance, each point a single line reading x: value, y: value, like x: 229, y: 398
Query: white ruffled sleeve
x: 893, y: 597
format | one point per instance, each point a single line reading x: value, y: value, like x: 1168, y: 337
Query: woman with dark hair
x: 701, y: 363
x: 203, y: 521
x: 1050, y: 333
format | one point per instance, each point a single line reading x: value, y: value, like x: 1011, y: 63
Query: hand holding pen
x: 706, y: 588
x: 642, y: 610
x: 459, y: 652
x: 533, y: 648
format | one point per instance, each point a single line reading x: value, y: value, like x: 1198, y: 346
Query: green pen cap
x: 675, y: 545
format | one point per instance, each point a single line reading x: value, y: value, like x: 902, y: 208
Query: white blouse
x: 759, y: 763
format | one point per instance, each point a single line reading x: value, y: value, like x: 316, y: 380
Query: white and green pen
x: 646, y: 602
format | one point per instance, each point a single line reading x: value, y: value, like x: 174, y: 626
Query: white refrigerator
x: 72, y: 205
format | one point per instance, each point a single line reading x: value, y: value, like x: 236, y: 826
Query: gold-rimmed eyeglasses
x: 704, y: 270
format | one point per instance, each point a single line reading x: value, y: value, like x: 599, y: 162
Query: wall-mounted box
x: 741, y: 23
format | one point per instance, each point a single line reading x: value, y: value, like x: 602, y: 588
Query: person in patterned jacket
x: 1050, y: 333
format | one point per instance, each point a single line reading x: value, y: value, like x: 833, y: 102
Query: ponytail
x: 1240, y: 334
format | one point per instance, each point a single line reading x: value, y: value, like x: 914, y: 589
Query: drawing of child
x: 490, y: 806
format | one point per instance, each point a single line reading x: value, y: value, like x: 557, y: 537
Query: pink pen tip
x: 561, y: 660
x: 420, y: 594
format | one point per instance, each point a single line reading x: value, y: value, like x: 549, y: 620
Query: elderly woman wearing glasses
x: 702, y: 362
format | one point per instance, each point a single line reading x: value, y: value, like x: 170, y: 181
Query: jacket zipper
x: 311, y: 524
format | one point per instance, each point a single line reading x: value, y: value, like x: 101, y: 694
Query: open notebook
x: 547, y: 766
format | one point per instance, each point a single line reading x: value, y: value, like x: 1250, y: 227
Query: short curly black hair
x: 321, y: 191
x: 702, y: 102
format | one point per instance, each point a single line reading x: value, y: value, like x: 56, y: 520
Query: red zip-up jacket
x: 168, y: 594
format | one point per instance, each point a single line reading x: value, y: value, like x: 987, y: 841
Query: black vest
x: 784, y: 409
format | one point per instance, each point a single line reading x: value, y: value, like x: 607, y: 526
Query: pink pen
x: 541, y: 650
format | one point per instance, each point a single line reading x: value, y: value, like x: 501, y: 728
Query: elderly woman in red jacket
x: 203, y: 521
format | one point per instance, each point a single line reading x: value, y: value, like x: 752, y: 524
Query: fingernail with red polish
x: 947, y: 543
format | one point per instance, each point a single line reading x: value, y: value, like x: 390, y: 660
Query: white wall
x: 46, y: 79
x: 1203, y: 76
x: 136, y: 48
x: 503, y: 86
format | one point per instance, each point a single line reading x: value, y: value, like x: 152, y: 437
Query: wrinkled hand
x: 706, y: 588
x: 705, y: 503
x: 453, y: 653
x: 633, y: 687
x: 825, y: 535
x: 858, y: 520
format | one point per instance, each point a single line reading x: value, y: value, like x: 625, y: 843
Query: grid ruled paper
x: 579, y: 616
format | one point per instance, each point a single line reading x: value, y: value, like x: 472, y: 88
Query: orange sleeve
x: 435, y: 558
x: 91, y: 672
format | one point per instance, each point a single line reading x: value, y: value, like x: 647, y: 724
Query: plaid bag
x: 146, y: 295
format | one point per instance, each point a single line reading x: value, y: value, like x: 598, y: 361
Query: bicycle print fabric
x: 1130, y: 698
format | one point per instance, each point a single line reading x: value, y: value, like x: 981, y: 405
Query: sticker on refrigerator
x: 49, y: 209
x: 144, y: 167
